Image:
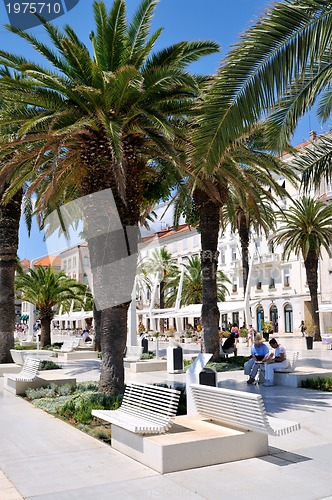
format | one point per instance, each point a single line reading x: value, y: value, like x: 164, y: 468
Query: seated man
x: 259, y: 352
x: 229, y: 345
x: 275, y: 361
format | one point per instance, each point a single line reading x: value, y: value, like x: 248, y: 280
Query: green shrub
x: 319, y: 384
x: 87, y: 386
x: 49, y: 365
x: 41, y: 392
x: 147, y: 355
x: 19, y: 347
x: 78, y: 409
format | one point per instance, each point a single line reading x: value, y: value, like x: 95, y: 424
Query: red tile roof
x: 49, y: 261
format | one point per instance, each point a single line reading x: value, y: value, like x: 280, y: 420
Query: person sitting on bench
x: 259, y: 352
x: 276, y: 361
x: 229, y: 345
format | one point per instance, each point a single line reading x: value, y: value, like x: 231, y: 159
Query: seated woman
x: 259, y: 352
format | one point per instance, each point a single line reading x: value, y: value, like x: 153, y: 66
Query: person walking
x: 303, y: 328
x: 275, y: 361
x: 251, y: 336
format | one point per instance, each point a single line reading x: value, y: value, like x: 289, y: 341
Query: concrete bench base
x: 295, y: 378
x: 9, y: 368
x: 43, y: 380
x: 152, y: 365
x: 191, y: 442
x: 74, y: 355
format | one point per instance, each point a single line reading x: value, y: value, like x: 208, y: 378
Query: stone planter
x: 188, y: 340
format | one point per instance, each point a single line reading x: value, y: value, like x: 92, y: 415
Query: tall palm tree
x: 282, y: 64
x: 101, y: 122
x: 192, y: 287
x: 244, y: 216
x: 161, y: 263
x: 316, y: 162
x: 305, y: 229
x: 248, y: 168
x: 46, y: 289
x: 10, y: 213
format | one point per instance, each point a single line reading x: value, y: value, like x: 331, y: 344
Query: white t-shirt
x: 280, y: 350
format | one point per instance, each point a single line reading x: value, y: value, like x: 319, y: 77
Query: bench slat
x: 238, y: 409
x: 145, y: 409
x: 29, y: 370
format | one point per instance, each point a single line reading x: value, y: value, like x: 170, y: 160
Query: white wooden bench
x: 145, y: 409
x: 68, y: 345
x: 29, y: 370
x: 31, y: 377
x: 239, y: 409
x: 292, y: 358
x: 133, y: 353
x: 18, y: 382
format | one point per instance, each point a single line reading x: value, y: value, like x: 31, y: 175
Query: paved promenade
x: 44, y: 458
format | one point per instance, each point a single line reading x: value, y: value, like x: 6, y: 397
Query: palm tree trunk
x: 244, y: 239
x: 209, y: 213
x: 311, y: 267
x: 113, y: 343
x: 162, y: 305
x: 97, y: 325
x: 9, y: 225
x: 45, y: 330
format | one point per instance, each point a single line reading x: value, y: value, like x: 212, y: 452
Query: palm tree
x: 10, y: 213
x: 161, y: 263
x: 316, y: 162
x: 245, y: 216
x: 281, y: 64
x: 97, y: 123
x: 47, y: 289
x: 305, y: 229
x: 251, y: 171
x: 192, y: 287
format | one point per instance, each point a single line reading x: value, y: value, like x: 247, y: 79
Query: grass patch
x: 227, y: 364
x: 318, y: 384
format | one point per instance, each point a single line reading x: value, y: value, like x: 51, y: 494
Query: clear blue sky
x: 218, y: 20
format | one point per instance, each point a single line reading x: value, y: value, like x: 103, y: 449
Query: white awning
x: 322, y: 308
x: 195, y: 310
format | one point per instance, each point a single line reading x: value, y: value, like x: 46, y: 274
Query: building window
x: 259, y: 285
x: 286, y: 278
x: 288, y: 312
x: 222, y: 256
x: 272, y: 283
x: 65, y: 265
x: 233, y: 253
x: 85, y: 279
x: 184, y: 244
x: 196, y: 240
x: 85, y: 261
x: 69, y: 263
x: 74, y: 261
x: 234, y: 286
